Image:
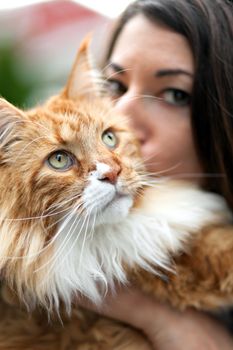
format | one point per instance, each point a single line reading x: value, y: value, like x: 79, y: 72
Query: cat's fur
x: 77, y: 231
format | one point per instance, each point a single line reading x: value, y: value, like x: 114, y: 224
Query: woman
x: 169, y: 65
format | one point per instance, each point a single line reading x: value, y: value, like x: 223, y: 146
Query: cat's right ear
x: 10, y: 117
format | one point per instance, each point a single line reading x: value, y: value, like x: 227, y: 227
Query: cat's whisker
x: 48, y: 228
x: 140, y: 96
x: 164, y: 171
x: 144, y: 161
x: 147, y: 184
x: 59, y: 220
x: 105, y: 283
x: 93, y: 227
x: 139, y: 192
x: 109, y: 77
x: 93, y: 90
x: 40, y: 125
x: 130, y: 185
x: 52, y: 262
x: 154, y: 163
x: 85, y: 234
x: 34, y: 217
x: 78, y: 234
x: 66, y: 240
x: 27, y: 145
x: 49, y: 214
x: 151, y: 177
x: 99, y: 77
x: 59, y: 205
x: 68, y: 216
x: 50, y: 242
x: 64, y: 244
x: 102, y: 71
x: 70, y: 235
x: 8, y: 130
x: 197, y: 175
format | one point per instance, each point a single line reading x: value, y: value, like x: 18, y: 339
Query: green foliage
x: 13, y: 86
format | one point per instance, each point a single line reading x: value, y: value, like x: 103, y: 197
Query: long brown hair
x: 208, y: 27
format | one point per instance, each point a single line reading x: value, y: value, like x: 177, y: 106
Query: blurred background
x: 39, y: 41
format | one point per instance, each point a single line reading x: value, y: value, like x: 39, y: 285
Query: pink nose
x: 112, y: 175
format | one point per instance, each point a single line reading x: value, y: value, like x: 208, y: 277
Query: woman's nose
x: 131, y: 105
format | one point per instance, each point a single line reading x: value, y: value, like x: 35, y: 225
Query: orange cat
x: 77, y: 213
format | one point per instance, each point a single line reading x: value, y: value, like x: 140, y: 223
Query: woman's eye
x: 176, y: 97
x: 60, y: 160
x: 116, y: 88
x: 109, y: 139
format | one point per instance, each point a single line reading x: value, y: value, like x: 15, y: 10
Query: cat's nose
x: 111, y: 175
x: 106, y: 172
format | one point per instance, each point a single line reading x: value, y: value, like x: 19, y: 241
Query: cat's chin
x: 115, y: 211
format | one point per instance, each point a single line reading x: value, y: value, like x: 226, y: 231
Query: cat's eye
x: 60, y: 161
x: 109, y: 139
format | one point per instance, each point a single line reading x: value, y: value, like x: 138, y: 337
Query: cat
x: 78, y: 214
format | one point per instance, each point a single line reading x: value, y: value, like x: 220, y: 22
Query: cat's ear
x: 84, y: 80
x: 10, y: 117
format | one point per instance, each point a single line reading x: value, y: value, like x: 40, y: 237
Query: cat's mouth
x: 106, y: 202
x: 114, y: 210
x: 117, y: 200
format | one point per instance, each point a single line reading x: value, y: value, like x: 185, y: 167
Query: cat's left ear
x: 10, y: 118
x: 84, y: 80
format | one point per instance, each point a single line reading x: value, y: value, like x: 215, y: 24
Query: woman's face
x: 151, y: 77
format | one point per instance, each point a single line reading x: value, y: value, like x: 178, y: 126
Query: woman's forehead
x: 146, y: 42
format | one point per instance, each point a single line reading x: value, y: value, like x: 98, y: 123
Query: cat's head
x: 66, y: 168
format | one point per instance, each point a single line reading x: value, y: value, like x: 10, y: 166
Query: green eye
x: 109, y: 138
x: 60, y: 160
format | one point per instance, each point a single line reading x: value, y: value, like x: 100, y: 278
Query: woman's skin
x: 151, y: 76
x: 155, y: 90
x: 166, y: 328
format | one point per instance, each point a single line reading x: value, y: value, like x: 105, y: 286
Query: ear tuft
x: 85, y: 44
x: 10, y: 116
x: 84, y: 80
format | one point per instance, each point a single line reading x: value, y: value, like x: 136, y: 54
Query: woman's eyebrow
x: 165, y: 72
x: 158, y: 74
